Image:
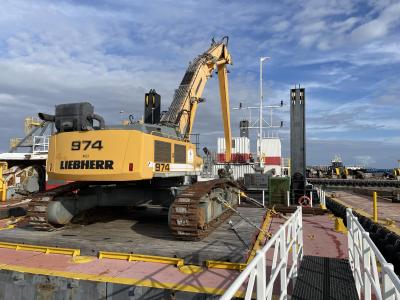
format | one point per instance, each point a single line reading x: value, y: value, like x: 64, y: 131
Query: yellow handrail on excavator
x: 3, y: 183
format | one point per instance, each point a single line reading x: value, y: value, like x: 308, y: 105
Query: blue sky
x: 345, y: 53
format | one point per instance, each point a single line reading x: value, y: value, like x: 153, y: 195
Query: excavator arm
x: 182, y: 111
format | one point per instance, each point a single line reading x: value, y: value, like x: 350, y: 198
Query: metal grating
x: 162, y: 152
x: 324, y: 278
x: 180, y: 154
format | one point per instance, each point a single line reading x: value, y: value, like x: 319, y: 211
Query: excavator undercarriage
x: 195, y: 211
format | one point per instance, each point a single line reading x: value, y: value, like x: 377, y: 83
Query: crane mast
x: 182, y: 112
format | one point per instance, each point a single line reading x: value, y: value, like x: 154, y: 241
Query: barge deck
x: 71, y: 270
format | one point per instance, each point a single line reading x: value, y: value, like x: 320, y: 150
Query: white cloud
x: 370, y: 31
x: 378, y: 27
x: 281, y: 26
x: 344, y: 26
x: 308, y: 40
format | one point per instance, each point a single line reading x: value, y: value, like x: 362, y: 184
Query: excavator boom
x: 182, y: 112
x: 226, y: 118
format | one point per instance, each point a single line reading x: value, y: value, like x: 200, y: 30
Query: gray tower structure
x: 297, y: 142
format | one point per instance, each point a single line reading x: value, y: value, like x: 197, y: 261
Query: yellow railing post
x: 375, y: 206
x: 3, y: 183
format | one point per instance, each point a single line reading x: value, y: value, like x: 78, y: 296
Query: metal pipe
x: 46, y: 117
x: 288, y: 198
x: 261, y: 114
x: 263, y: 197
x: 261, y: 110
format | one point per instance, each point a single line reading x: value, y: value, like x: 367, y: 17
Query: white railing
x: 322, y: 196
x: 289, y: 238
x: 364, y: 258
x: 41, y: 144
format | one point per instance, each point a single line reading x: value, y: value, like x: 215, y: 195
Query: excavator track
x: 187, y: 219
x: 37, y: 207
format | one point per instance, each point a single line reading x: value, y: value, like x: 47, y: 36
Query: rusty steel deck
x: 147, y: 232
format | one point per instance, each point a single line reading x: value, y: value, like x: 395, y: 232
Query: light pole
x: 261, y: 111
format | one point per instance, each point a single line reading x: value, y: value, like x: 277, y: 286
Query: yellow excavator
x: 140, y: 164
